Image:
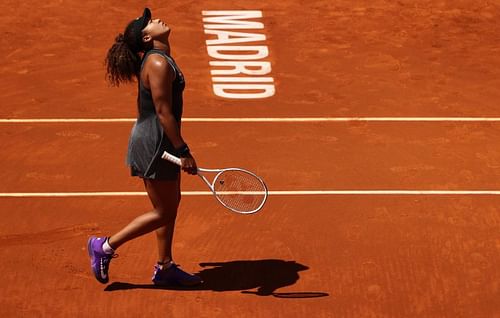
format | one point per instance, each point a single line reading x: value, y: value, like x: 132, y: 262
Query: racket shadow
x: 255, y: 277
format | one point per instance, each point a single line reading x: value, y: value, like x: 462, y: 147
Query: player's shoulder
x: 158, y: 63
x: 156, y: 59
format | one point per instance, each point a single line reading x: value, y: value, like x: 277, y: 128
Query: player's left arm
x: 160, y: 78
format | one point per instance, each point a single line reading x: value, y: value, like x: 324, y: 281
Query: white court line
x: 273, y: 193
x: 262, y: 120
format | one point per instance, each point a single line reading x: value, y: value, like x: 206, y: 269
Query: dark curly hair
x: 122, y: 64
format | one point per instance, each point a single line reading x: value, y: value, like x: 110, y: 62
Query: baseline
x: 261, y: 119
x: 274, y: 193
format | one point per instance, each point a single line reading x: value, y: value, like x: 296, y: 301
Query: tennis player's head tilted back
x: 142, y: 53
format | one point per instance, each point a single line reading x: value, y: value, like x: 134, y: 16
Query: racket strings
x: 240, y: 190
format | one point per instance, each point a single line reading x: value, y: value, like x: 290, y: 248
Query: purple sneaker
x: 174, y: 276
x: 99, y: 261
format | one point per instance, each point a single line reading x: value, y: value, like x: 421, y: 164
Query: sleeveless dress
x: 148, y: 140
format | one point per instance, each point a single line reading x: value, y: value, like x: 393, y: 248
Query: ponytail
x: 122, y: 64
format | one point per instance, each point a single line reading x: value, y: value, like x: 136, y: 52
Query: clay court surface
x: 313, y: 253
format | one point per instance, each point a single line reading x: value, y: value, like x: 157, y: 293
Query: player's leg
x: 165, y: 198
x: 166, y: 272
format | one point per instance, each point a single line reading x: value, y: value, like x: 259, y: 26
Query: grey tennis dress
x: 148, y: 140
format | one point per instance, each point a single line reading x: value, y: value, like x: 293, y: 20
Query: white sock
x: 107, y: 248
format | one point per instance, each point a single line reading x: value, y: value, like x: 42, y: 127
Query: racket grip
x: 171, y: 158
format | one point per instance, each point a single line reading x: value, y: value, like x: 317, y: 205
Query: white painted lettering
x: 241, y: 67
x: 229, y: 37
x: 261, y: 52
x: 262, y: 90
x: 238, y: 73
x: 231, y: 20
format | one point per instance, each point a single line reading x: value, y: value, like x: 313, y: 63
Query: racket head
x: 240, y: 190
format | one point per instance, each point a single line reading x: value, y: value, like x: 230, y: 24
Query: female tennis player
x: 142, y: 52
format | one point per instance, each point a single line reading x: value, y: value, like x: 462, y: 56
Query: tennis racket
x: 237, y: 189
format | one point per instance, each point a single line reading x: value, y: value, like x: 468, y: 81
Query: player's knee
x: 166, y: 215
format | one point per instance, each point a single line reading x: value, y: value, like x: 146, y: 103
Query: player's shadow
x: 258, y: 277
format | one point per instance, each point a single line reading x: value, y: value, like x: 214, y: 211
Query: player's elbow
x: 164, y: 114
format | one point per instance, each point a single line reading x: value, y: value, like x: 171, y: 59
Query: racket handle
x: 171, y: 158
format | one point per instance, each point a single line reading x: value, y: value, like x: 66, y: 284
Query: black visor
x: 133, y: 31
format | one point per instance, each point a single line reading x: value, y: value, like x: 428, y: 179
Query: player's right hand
x: 188, y: 164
